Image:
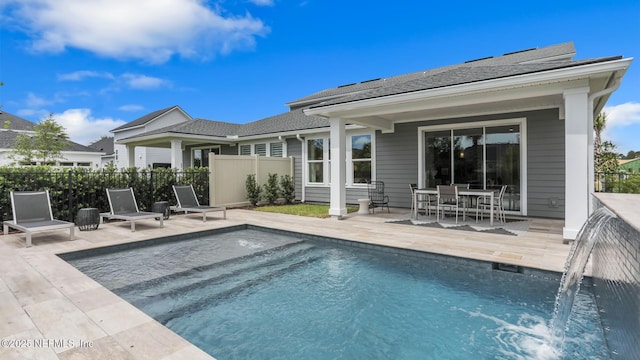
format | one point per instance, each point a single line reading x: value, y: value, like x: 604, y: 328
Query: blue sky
x: 98, y: 64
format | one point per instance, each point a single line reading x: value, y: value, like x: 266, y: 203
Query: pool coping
x: 47, y: 298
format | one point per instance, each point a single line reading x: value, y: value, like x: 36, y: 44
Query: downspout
x: 613, y: 85
x: 302, y: 167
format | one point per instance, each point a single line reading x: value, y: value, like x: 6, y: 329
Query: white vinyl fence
x: 229, y: 175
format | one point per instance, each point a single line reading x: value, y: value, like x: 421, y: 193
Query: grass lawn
x: 314, y: 210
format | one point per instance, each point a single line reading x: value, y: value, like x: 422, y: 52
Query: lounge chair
x: 32, y: 213
x: 124, y: 207
x: 188, y: 202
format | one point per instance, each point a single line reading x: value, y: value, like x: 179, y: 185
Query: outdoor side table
x: 162, y: 207
x: 88, y: 219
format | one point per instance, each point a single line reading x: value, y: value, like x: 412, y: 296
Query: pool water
x: 257, y: 294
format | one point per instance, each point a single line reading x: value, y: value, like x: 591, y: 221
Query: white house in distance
x: 522, y: 119
x: 74, y: 155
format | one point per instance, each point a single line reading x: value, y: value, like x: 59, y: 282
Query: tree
x: 45, y: 145
x: 605, y: 157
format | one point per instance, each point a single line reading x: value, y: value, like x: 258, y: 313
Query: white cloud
x: 131, y: 107
x: 83, y: 128
x: 150, y: 30
x: 137, y: 81
x: 83, y: 74
x: 262, y: 2
x: 623, y: 114
x: 36, y: 101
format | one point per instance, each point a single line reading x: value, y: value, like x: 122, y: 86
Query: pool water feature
x: 254, y: 293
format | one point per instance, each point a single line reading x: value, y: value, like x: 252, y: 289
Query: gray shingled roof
x: 105, y: 145
x: 145, y: 119
x: 8, y: 141
x: 289, y: 121
x: 8, y: 137
x: 459, y: 76
x: 530, y: 55
x: 14, y: 122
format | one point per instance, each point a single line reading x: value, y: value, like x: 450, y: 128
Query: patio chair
x: 32, y: 213
x: 188, y: 202
x: 377, y: 198
x: 448, y: 197
x: 124, y: 207
x: 498, y: 206
x: 421, y: 199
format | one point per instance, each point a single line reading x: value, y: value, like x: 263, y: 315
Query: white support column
x: 577, y: 157
x: 131, y: 156
x: 176, y: 154
x: 338, y: 206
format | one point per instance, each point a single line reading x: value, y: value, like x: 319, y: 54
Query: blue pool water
x: 258, y: 294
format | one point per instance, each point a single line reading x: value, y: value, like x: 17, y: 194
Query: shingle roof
x: 560, y: 51
x: 145, y: 119
x: 8, y: 141
x: 105, y: 145
x: 14, y: 123
x: 8, y: 136
x: 289, y: 121
x: 458, y: 76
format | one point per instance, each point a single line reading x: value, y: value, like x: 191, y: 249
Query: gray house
x: 522, y: 119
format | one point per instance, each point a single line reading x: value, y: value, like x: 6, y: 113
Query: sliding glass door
x: 485, y: 157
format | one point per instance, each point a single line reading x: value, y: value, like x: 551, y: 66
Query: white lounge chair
x: 188, y: 202
x: 124, y: 207
x: 32, y: 213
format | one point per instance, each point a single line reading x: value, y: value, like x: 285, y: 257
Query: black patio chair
x: 124, y: 207
x: 377, y: 198
x: 188, y: 202
x: 32, y: 213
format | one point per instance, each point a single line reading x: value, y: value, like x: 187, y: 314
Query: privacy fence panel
x: 73, y: 189
x: 229, y: 174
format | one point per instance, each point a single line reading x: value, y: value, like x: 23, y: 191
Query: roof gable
x: 14, y: 122
x: 144, y: 120
x: 105, y: 145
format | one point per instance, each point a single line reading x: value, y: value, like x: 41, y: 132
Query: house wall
x: 396, y: 157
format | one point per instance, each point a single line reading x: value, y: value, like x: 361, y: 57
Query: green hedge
x: 73, y: 189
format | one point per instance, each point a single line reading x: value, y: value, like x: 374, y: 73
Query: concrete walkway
x: 49, y: 310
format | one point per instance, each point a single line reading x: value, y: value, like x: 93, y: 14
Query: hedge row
x: 73, y: 189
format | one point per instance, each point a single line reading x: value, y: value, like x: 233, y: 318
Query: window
x: 358, y: 157
x: 315, y: 163
x: 361, y: 158
x: 261, y: 149
x: 84, y: 164
x: 201, y: 156
x: 275, y: 149
x: 245, y: 150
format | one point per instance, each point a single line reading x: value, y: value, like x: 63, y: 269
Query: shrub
x: 253, y: 189
x: 271, y: 189
x: 288, y: 188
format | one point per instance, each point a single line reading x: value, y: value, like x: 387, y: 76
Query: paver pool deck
x: 50, y: 310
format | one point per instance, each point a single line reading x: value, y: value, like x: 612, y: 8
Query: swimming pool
x: 248, y: 292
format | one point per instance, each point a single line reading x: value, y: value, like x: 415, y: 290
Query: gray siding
x: 397, y: 162
x: 294, y: 149
x: 546, y: 168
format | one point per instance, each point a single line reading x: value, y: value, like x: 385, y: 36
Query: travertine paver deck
x: 49, y: 310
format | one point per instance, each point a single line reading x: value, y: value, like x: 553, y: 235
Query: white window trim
x: 267, y: 143
x: 348, y: 158
x: 521, y: 122
x: 193, y: 157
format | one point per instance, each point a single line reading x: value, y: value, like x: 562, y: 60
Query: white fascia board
x: 219, y: 139
x: 96, y: 153
x: 293, y: 133
x: 538, y: 78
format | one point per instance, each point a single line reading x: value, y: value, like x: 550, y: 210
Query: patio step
x: 168, y: 292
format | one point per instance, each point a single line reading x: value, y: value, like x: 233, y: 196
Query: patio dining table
x: 464, y: 192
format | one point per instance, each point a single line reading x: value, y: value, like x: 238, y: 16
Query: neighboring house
x: 524, y: 119
x: 143, y: 156
x: 629, y: 166
x: 74, y: 155
x: 106, y: 146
